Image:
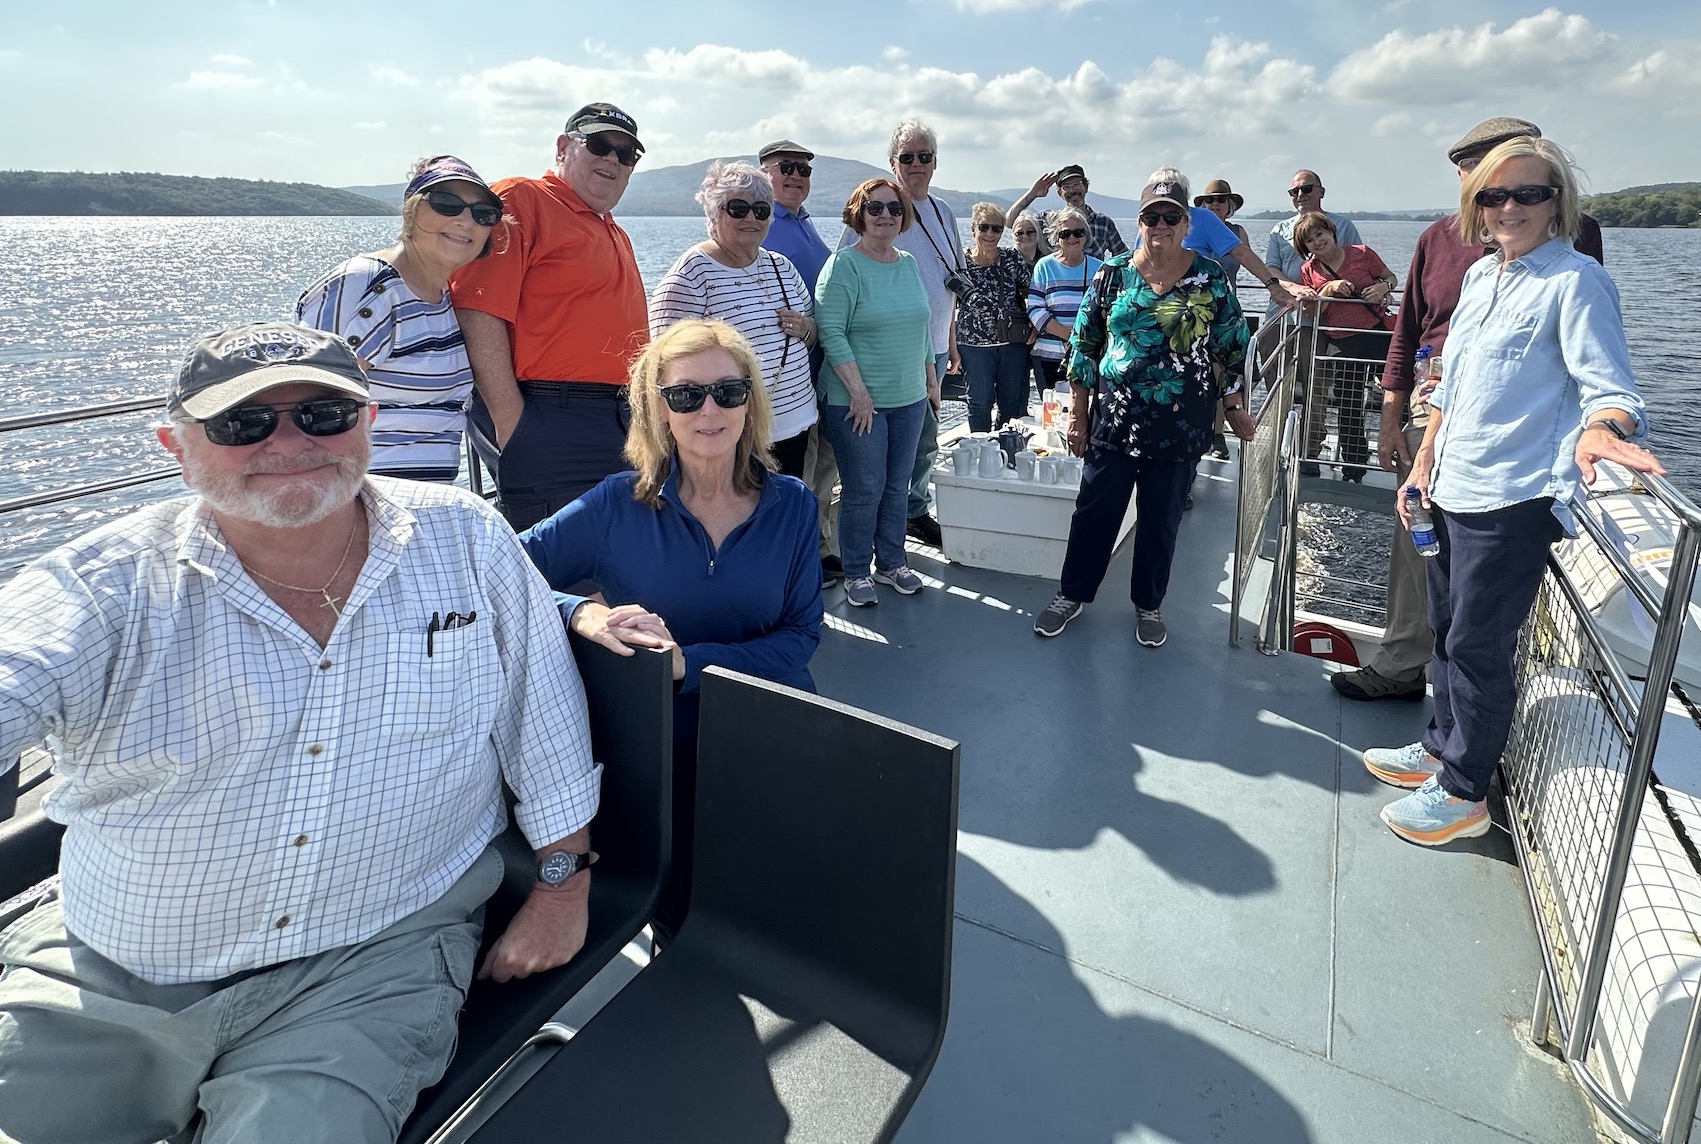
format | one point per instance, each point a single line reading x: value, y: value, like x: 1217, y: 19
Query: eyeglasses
x: 1153, y: 218
x: 1065, y: 235
x: 738, y: 208
x: 1207, y: 200
x: 908, y: 158
x: 252, y: 423
x: 1470, y: 164
x: 1523, y: 196
x: 1026, y: 233
x: 601, y: 147
x: 451, y: 205
x: 794, y: 167
x: 991, y: 227
x: 688, y: 397
x: 875, y: 206
x: 1303, y: 189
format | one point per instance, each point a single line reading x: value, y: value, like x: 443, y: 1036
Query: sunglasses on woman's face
x: 738, y: 208
x: 990, y: 227
x: 600, y: 147
x: 1026, y: 234
x: 1208, y: 200
x: 1153, y: 218
x: 909, y: 158
x: 451, y: 205
x: 252, y: 423
x: 688, y: 397
x: 875, y: 206
x: 1066, y: 235
x: 1523, y: 196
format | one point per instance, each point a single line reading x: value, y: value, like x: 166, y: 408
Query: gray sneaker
x: 1149, y: 627
x: 1059, y: 612
x: 859, y: 592
x: 905, y: 581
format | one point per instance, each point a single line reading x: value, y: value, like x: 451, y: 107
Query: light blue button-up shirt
x: 1535, y: 352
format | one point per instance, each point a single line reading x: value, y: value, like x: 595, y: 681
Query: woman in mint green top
x: 872, y: 314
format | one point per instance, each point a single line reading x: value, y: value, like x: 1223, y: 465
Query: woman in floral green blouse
x: 1159, y: 339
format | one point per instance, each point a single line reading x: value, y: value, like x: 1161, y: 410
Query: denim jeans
x: 874, y: 482
x: 927, y: 449
x: 996, y: 375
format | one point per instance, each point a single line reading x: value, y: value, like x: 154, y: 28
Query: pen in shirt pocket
x: 441, y: 623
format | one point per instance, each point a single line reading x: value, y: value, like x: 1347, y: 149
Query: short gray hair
x: 737, y: 179
x: 910, y: 129
x: 1059, y: 217
x: 1174, y: 176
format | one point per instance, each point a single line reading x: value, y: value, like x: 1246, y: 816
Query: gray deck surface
x: 1179, y: 918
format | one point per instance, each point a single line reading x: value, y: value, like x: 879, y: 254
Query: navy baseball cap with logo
x: 595, y: 118
x: 225, y: 369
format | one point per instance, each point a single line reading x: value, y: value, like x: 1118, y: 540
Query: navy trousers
x: 1108, y: 478
x: 569, y: 438
x: 1481, y: 587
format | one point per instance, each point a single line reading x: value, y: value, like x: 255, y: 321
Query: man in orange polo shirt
x: 552, y: 319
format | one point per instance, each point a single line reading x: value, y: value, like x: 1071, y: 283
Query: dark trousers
x: 997, y: 375
x: 1049, y: 375
x: 568, y: 439
x: 789, y: 454
x: 1108, y: 479
x: 1481, y: 587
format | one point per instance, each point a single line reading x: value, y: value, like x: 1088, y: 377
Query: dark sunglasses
x: 688, y: 397
x: 1153, y: 218
x: 911, y: 157
x: 1078, y: 232
x: 990, y: 227
x: 875, y: 206
x: 451, y: 205
x: 1207, y: 199
x: 1303, y: 189
x: 600, y: 147
x: 794, y: 167
x: 250, y: 424
x: 1523, y: 196
x: 738, y: 208
x: 1026, y: 233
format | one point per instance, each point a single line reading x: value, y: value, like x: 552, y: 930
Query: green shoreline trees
x: 131, y: 193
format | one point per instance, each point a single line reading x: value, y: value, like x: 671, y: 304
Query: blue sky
x: 1370, y: 93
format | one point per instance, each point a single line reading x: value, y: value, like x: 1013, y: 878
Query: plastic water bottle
x: 1423, y: 528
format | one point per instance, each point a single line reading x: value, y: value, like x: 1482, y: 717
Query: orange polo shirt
x: 567, y: 284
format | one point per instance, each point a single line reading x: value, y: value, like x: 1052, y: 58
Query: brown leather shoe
x: 1366, y: 684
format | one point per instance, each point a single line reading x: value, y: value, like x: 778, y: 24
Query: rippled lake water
x: 98, y: 309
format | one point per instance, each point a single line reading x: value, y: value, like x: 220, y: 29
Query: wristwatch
x: 1611, y: 425
x: 562, y: 865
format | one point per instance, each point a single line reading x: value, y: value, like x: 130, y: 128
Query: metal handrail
x: 83, y: 413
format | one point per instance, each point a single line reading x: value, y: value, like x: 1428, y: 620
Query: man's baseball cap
x: 782, y: 147
x: 1072, y: 171
x: 225, y: 369
x: 1162, y: 193
x: 1490, y: 133
x: 595, y: 118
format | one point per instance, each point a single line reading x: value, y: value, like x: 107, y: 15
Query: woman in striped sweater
x: 1054, y: 295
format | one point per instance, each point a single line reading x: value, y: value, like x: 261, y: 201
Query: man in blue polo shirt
x: 793, y: 235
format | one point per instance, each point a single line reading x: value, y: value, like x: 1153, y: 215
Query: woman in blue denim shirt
x: 1538, y: 388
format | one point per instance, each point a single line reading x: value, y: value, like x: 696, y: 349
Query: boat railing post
x: 1680, y: 1110
x: 1662, y: 661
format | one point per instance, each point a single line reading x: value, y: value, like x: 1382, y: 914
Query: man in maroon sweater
x: 1432, y: 292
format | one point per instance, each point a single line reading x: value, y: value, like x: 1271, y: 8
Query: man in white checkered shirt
x: 282, y: 711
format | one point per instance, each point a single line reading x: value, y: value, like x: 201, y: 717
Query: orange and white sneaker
x: 1410, y: 766
x: 1429, y: 816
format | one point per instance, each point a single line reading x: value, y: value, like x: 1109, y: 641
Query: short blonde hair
x: 649, y: 443
x: 859, y: 199
x: 1567, y: 221
x: 1062, y: 216
x: 1309, y: 224
x: 987, y: 212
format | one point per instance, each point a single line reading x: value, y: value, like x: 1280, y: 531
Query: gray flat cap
x: 783, y: 147
x: 1491, y: 133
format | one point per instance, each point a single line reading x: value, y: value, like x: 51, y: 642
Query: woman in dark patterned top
x: 992, y: 324
x: 1159, y: 339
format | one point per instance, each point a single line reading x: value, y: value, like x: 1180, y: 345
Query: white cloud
x: 1455, y: 65
x: 219, y: 81
x: 393, y: 76
x: 232, y: 61
x: 714, y: 64
x: 1662, y: 71
x: 893, y: 54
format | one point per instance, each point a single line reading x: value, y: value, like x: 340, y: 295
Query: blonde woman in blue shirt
x: 1538, y: 388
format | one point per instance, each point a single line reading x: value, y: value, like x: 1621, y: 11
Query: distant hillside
x: 1663, y: 204
x: 129, y: 193
x: 1367, y: 216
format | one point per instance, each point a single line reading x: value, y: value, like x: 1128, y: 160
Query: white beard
x: 294, y: 507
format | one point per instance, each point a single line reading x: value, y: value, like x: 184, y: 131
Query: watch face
x: 556, y: 868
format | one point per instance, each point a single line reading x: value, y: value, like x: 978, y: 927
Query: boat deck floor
x: 1178, y: 915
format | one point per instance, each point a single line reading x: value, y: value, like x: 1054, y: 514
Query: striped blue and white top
x: 748, y: 299
x: 414, y: 356
x: 1055, y: 295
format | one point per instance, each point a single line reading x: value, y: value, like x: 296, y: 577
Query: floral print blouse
x: 1158, y: 362
x: 999, y: 302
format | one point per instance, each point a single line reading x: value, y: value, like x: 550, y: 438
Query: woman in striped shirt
x: 729, y: 277
x: 1054, y: 295
x: 393, y: 307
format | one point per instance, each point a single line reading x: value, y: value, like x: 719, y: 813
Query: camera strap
x: 785, y: 300
x: 950, y: 239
